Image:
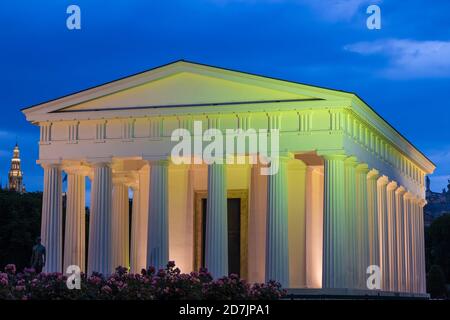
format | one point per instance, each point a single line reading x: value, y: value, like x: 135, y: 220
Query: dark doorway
x: 234, y: 234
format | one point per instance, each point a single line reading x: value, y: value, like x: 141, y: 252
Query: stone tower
x: 15, y: 176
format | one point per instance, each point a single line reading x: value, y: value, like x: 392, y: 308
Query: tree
x: 20, y: 216
x: 436, y: 282
x: 438, y: 244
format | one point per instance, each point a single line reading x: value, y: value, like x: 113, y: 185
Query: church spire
x: 15, y: 176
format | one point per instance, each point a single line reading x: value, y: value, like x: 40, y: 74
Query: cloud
x: 332, y: 10
x: 409, y: 58
x: 338, y: 10
x: 6, y: 134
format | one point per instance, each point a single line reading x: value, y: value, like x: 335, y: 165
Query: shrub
x: 436, y: 282
x: 151, y: 284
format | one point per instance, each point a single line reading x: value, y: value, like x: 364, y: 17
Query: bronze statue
x: 38, y: 256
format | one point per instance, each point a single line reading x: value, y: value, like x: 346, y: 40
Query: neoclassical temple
x: 349, y: 192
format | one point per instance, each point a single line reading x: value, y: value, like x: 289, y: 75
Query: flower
x: 106, y: 289
x: 10, y: 268
x: 29, y: 270
x: 168, y: 283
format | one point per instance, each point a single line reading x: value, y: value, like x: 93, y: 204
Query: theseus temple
x: 349, y: 192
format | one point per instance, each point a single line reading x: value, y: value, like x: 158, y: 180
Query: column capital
x: 49, y: 163
x: 362, y: 168
x: 392, y: 185
x: 351, y: 161
x: 78, y: 170
x: 282, y: 156
x: 157, y: 161
x: 408, y: 195
x: 422, y: 202
x: 120, y: 179
x: 341, y: 157
x: 383, y: 180
x: 416, y: 199
x: 373, y: 174
x: 400, y: 191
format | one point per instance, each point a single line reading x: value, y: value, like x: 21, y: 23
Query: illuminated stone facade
x: 349, y: 193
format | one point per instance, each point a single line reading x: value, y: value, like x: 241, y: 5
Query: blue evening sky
x: 402, y: 70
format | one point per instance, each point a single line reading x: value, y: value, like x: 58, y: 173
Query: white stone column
x: 392, y: 236
x: 277, y: 248
x: 423, y: 273
x: 333, y: 273
x: 139, y: 221
x: 100, y: 224
x: 408, y: 243
x: 257, y: 225
x: 372, y: 206
x: 120, y: 224
x: 383, y: 231
x: 216, y: 243
x: 400, y: 212
x: 158, y: 218
x: 351, y: 264
x: 74, y: 242
x: 363, y: 225
x: 415, y: 243
x: 51, y: 223
x: 412, y: 223
x: 314, y: 225
x: 135, y: 267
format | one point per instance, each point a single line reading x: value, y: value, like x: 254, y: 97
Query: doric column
x: 314, y: 226
x: 257, y: 225
x: 135, y: 266
x: 383, y: 231
x: 408, y: 243
x: 277, y: 249
x: 392, y: 236
x: 139, y: 221
x: 334, y: 244
x: 363, y: 225
x: 372, y: 206
x: 74, y: 242
x: 415, y: 243
x: 400, y: 212
x: 350, y: 229
x: 100, y: 224
x: 120, y: 224
x: 158, y: 218
x: 216, y: 243
x: 423, y: 273
x: 51, y: 224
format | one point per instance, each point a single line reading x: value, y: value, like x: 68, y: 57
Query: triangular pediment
x: 185, y: 88
x: 183, y: 84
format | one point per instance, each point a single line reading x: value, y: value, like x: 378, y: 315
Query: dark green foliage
x: 438, y: 244
x: 436, y: 282
x: 20, y: 216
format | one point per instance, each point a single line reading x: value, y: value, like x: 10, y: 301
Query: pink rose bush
x: 151, y: 284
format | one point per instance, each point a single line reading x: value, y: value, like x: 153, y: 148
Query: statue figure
x: 38, y: 256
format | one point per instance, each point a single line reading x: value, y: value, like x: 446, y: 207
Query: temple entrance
x: 237, y: 213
